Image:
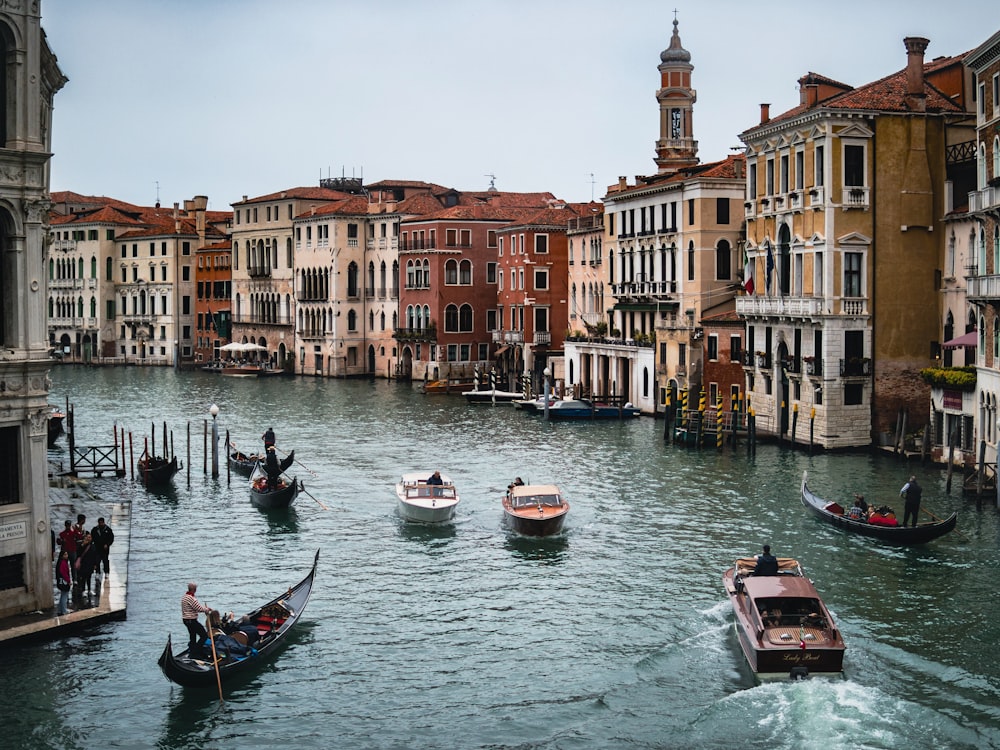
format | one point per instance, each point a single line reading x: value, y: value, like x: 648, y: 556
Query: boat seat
x: 240, y: 637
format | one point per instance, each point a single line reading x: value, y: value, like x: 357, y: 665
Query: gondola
x: 273, y: 621
x: 156, y: 471
x: 271, y: 498
x: 241, y: 463
x: 833, y: 513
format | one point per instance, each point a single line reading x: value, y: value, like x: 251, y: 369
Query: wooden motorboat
x: 242, y: 371
x: 782, y: 625
x: 449, y: 385
x: 273, y: 621
x: 156, y: 471
x: 493, y: 396
x: 263, y: 495
x: 834, y: 513
x: 535, y: 509
x: 56, y: 417
x: 420, y: 501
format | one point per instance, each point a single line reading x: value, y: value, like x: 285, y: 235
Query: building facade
x: 213, y: 294
x: 32, y: 78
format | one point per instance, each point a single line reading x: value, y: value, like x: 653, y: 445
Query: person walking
x: 911, y: 492
x: 190, y: 608
x: 103, y: 537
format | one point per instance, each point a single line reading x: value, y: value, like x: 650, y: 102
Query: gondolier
x: 190, y: 608
x: 912, y: 492
x: 268, y: 437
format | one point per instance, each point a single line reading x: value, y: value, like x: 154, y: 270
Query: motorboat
x: 782, y: 625
x: 419, y: 500
x: 493, y: 396
x: 535, y: 509
x: 583, y: 409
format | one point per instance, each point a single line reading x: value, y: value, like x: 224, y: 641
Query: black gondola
x: 56, y: 418
x: 241, y: 463
x: 155, y: 471
x: 269, y: 498
x: 273, y: 621
x: 903, y: 535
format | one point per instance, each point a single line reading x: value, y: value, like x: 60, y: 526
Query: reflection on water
x: 550, y: 549
x: 281, y: 520
x: 435, y: 537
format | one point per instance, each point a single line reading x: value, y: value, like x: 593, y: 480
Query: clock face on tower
x: 675, y: 123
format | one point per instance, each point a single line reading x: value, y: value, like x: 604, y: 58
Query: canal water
x: 615, y: 635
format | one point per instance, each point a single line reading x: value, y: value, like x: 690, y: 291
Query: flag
x: 769, y: 269
x: 802, y: 638
x: 747, y: 273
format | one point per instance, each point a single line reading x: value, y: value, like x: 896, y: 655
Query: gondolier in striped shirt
x: 190, y: 608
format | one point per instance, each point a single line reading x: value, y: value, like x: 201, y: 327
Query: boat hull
x: 421, y: 514
x: 274, y: 499
x: 201, y: 673
x: 158, y: 472
x: 492, y: 397
x: 527, y: 526
x: 417, y: 501
x: 535, y: 510
x: 240, y: 463
x: 901, y: 535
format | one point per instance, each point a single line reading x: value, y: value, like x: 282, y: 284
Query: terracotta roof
x: 547, y: 217
x: 349, y: 204
x: 297, y: 193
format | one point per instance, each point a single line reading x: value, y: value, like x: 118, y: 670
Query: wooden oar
x: 302, y: 488
x: 295, y: 460
x: 956, y: 530
x: 215, y: 658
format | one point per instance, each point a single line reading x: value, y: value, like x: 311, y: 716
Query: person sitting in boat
x: 518, y: 482
x: 767, y: 564
x: 814, y: 620
x: 231, y: 626
x: 225, y: 644
x: 856, y: 512
x: 435, y: 478
x: 859, y: 500
x: 883, y: 516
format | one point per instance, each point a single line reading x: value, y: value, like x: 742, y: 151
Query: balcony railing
x: 543, y: 338
x: 256, y: 272
x: 644, y: 288
x: 814, y: 366
x: 981, y: 200
x: 817, y: 196
x: 269, y: 320
x: 856, y: 367
x: 415, y: 334
x: 508, y: 337
x: 797, y: 306
x: 855, y: 196
x: 982, y: 288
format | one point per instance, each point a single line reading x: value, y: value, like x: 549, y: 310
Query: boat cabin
x: 530, y: 496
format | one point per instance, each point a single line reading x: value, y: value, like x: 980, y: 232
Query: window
x: 854, y: 165
x: 852, y: 274
x: 451, y: 272
x: 723, y: 261
x: 769, y: 178
x: 491, y: 321
x: 465, y: 319
x: 491, y: 273
x: 713, y: 347
x: 185, y: 248
x: 690, y: 263
x: 451, y: 238
x: 541, y: 243
x: 465, y: 272
x: 799, y: 170
x: 854, y: 394
x: 186, y: 273
x: 751, y: 181
x: 722, y: 211
x: 783, y: 174
x: 465, y: 237
x: 491, y: 238
x: 541, y: 278
x: 451, y: 319
x: 820, y: 168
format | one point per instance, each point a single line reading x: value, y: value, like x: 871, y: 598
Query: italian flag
x: 747, y: 273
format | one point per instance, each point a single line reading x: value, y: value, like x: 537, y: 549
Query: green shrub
x: 957, y: 378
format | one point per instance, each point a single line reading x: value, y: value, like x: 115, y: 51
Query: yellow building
x: 844, y: 207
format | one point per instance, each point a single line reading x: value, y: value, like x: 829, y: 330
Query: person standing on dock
x: 911, y: 492
x: 190, y: 607
x: 67, y: 540
x: 103, y: 537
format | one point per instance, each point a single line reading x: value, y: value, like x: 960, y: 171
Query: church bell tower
x: 676, y: 147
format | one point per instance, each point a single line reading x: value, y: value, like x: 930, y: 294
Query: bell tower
x: 676, y: 147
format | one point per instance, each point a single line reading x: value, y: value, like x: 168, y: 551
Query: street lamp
x: 547, y: 373
x: 214, y: 411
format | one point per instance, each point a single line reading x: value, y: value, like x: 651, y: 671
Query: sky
x: 168, y: 99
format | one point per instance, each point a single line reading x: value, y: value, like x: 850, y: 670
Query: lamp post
x: 214, y: 411
x: 547, y: 373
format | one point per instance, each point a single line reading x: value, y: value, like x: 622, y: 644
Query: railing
x: 854, y: 305
x: 817, y: 196
x: 543, y: 338
x: 980, y: 200
x: 415, y: 334
x: 855, y: 367
x: 795, y: 200
x: 814, y: 366
x: 256, y: 272
x: 799, y: 306
x: 508, y: 337
x: 982, y: 287
x: 273, y: 320
x: 643, y: 288
x: 855, y: 196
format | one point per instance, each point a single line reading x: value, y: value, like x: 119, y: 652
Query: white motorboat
x: 420, y: 500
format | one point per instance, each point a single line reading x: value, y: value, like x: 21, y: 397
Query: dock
x: 67, y: 498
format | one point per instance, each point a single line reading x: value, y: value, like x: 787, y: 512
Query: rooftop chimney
x: 765, y: 113
x: 915, y: 47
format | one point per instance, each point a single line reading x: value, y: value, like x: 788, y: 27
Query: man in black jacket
x: 767, y: 564
x: 912, y: 492
x: 102, y: 537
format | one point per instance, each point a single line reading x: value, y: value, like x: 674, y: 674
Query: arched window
x: 93, y: 266
x: 79, y: 275
x: 371, y: 278
x: 352, y: 320
x: 352, y: 279
x: 409, y: 317
x: 465, y: 318
x: 690, y: 254
x: 79, y: 306
x: 465, y: 273
x: 451, y: 272
x: 52, y: 268
x: 427, y: 316
x: 108, y: 271
x: 451, y: 319
x: 785, y: 260
x: 93, y: 307
x: 723, y: 261
x: 382, y: 317
x: 427, y: 274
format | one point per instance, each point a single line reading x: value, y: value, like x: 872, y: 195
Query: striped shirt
x: 190, y: 607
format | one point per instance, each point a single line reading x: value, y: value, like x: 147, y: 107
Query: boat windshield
x: 430, y: 490
x: 789, y: 611
x: 526, y: 501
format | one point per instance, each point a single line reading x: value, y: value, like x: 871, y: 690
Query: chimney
x: 765, y: 113
x: 915, y: 47
x: 738, y: 168
x: 622, y: 182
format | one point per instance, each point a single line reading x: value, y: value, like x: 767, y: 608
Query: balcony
x: 508, y: 337
x: 802, y: 307
x: 644, y: 289
x: 855, y: 196
x: 257, y: 272
x: 856, y: 367
x: 982, y: 288
x: 814, y: 366
x: 795, y: 200
x: 542, y: 338
x: 416, y: 334
x: 817, y: 196
x: 763, y: 360
x: 981, y: 200
x: 267, y: 320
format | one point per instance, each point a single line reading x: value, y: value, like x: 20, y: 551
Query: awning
x: 501, y: 350
x: 965, y: 340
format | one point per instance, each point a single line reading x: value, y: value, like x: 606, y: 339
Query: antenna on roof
x: 592, y: 187
x: 157, y: 183
x: 493, y: 178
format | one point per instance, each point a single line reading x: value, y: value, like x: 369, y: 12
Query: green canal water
x: 617, y: 634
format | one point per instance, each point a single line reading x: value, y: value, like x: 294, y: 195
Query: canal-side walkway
x: 67, y: 498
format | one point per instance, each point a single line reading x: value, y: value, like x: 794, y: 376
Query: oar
x: 302, y: 488
x: 215, y: 658
x: 295, y: 460
x: 957, y: 531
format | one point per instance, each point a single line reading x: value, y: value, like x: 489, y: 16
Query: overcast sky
x: 226, y: 98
